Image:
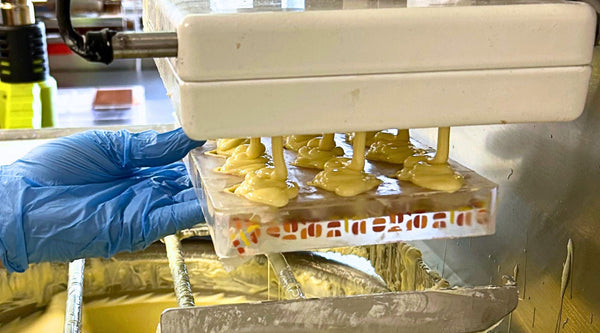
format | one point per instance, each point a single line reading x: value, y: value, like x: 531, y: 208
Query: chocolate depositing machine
x: 274, y: 68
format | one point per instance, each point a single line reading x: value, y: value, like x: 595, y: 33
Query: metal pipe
x: 287, y: 281
x: 200, y: 230
x: 74, y: 295
x: 181, y: 280
x: 144, y: 45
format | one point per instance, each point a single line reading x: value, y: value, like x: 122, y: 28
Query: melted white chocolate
x: 409, y: 164
x: 433, y: 173
x: 269, y: 185
x: 439, y: 177
x: 225, y: 147
x: 246, y: 159
x: 402, y: 136
x: 317, y: 152
x: 391, y: 148
x: 369, y: 137
x: 295, y: 142
x: 347, y: 178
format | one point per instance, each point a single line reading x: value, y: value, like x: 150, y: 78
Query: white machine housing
x: 327, y: 66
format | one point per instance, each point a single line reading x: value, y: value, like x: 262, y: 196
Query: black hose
x: 95, y: 46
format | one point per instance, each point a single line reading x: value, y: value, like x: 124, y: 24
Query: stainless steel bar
x: 74, y: 294
x: 144, y: 45
x: 200, y: 230
x: 459, y: 310
x: 181, y: 280
x: 287, y: 281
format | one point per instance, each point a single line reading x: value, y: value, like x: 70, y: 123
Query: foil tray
x: 395, y: 211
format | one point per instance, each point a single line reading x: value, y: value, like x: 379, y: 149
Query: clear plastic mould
x: 395, y: 211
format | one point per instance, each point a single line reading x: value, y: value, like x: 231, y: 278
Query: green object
x: 27, y: 105
x: 48, y: 94
x: 27, y: 90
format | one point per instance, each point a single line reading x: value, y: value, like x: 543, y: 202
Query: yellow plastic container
x: 27, y: 105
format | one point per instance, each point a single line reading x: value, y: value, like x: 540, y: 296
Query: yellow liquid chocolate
x: 369, y: 137
x: 347, y: 178
x: 409, y: 164
x: 295, y: 142
x: 226, y: 147
x: 317, y: 152
x: 433, y: 173
x: 391, y: 148
x: 439, y: 177
x: 402, y: 136
x: 269, y: 185
x: 246, y: 159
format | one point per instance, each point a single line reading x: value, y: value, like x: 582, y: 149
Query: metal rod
x: 144, y: 45
x: 181, y: 280
x: 287, y: 280
x: 74, y: 297
x: 200, y: 230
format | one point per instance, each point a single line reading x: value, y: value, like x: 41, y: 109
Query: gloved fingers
x: 149, y: 148
x: 186, y: 195
x: 173, y: 168
x: 66, y: 222
x: 101, y: 156
x: 173, y: 177
x: 71, y: 160
x: 169, y: 219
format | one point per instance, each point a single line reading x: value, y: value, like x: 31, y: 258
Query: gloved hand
x: 94, y: 194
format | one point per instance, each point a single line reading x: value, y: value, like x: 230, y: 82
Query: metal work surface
x: 548, y: 176
x: 157, y: 104
x: 131, y: 274
x: 461, y: 310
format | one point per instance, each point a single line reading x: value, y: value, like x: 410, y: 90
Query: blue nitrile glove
x: 95, y: 194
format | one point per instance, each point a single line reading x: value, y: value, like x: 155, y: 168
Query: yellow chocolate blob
x: 390, y: 152
x: 317, y: 152
x: 433, y: 173
x: 316, y: 158
x: 389, y: 137
x: 225, y: 147
x: 439, y: 177
x: 269, y: 185
x: 295, y: 142
x: 369, y: 137
x: 246, y: 159
x: 344, y: 181
x: 391, y: 148
x: 262, y: 187
x: 409, y: 163
x: 346, y: 177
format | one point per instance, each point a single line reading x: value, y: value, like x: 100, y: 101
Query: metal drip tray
x: 408, y: 294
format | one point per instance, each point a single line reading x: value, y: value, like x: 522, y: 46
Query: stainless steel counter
x: 158, y: 113
x: 158, y: 108
x: 549, y: 176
